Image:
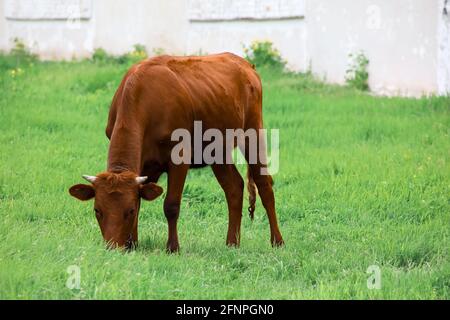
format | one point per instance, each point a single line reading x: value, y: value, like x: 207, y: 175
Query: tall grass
x: 363, y: 181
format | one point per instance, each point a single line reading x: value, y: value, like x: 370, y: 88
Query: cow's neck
x: 125, y: 150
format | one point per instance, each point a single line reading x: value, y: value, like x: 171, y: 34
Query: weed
x: 357, y: 75
x: 264, y: 54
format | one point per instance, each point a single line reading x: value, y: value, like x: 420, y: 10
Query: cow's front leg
x: 175, y: 184
x: 233, y: 185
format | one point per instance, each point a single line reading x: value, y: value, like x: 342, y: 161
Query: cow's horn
x: 91, y: 179
x: 140, y: 180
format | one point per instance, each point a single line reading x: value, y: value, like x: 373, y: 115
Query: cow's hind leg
x: 176, y: 178
x: 233, y: 185
x: 264, y: 184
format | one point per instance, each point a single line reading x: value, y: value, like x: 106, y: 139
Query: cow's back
x: 165, y: 93
x: 221, y: 88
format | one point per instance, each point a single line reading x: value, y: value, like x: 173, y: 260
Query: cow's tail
x: 252, y: 190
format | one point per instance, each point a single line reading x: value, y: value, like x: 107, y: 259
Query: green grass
x: 363, y: 181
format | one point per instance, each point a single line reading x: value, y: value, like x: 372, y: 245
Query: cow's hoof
x: 278, y: 243
x: 173, y: 248
x: 131, y: 246
x: 233, y: 244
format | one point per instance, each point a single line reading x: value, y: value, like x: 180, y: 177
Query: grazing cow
x: 155, y: 97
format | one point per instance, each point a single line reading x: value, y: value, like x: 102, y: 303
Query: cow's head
x: 116, y: 205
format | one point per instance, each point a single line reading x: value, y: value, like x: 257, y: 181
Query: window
x: 217, y: 10
x: 47, y: 9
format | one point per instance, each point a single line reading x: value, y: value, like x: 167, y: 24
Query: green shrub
x: 17, y: 60
x: 19, y: 56
x: 357, y: 75
x: 263, y: 54
x: 139, y: 53
x: 100, y: 55
x: 158, y: 51
x: 22, y: 53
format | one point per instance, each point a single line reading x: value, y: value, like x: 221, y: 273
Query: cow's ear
x: 150, y: 191
x: 82, y: 192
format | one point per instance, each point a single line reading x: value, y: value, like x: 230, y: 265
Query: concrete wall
x: 156, y: 24
x: 229, y: 25
x: 398, y: 37
x: 3, y: 30
x: 115, y: 25
x: 287, y: 35
x: 443, y: 54
x: 406, y: 41
x: 52, y: 31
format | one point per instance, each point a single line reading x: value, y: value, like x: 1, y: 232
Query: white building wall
x: 156, y: 24
x: 287, y: 36
x: 406, y: 41
x: 224, y: 25
x: 398, y: 37
x: 52, y: 28
x: 3, y: 30
x: 443, y: 54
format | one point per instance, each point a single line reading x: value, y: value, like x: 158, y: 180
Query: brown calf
x: 156, y: 97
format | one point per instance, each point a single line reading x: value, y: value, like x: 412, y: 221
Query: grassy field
x: 363, y: 181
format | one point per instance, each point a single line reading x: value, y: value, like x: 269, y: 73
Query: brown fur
x: 116, y: 182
